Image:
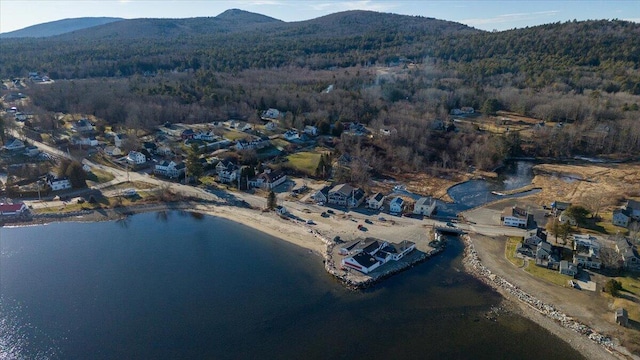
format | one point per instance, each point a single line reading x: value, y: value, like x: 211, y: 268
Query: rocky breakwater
x: 475, y: 267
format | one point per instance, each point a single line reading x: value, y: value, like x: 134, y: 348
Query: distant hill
x: 59, y: 27
x: 230, y: 21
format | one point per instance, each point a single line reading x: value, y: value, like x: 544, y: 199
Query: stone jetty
x: 474, y: 266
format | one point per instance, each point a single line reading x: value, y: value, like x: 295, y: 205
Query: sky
x: 481, y: 14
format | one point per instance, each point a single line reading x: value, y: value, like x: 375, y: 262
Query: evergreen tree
x: 271, y: 200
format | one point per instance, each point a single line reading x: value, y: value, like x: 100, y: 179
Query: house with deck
x: 269, y: 179
x: 369, y: 254
x: 586, y: 251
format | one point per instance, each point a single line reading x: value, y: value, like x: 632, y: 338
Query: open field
x: 552, y: 276
x: 610, y: 183
x: 306, y: 162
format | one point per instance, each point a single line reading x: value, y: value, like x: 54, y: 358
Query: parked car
x: 330, y: 211
x: 368, y: 221
x: 324, y: 215
x: 382, y: 218
x: 310, y: 222
x: 450, y: 224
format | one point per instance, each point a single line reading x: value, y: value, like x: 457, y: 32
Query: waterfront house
x: 362, y: 262
x: 368, y: 254
x: 345, y: 195
x: 136, y: 158
x: 269, y: 179
x: 57, y: 183
x: 227, y: 171
x: 170, y: 169
x: 629, y: 257
x: 322, y: 195
x: 567, y: 268
x: 16, y: 209
x: 516, y: 217
x: 375, y: 201
x: 424, y: 206
x: 396, y: 205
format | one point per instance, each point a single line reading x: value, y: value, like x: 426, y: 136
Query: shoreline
x: 579, y: 336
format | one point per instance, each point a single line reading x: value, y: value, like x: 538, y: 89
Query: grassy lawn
x: 552, y: 276
x: 606, y: 227
x: 207, y: 180
x: 234, y: 135
x: 306, y: 162
x: 630, y: 283
x: 281, y: 143
x: 510, y: 251
x: 99, y: 176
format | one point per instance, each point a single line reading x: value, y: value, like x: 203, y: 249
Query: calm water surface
x: 171, y: 285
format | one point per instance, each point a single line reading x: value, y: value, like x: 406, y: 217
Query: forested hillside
x: 385, y: 71
x: 59, y: 27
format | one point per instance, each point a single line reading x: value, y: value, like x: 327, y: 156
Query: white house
x: 586, y: 251
x: 367, y: 255
x: 170, y: 169
x: 362, y: 262
x: 56, y: 183
x: 311, y: 130
x: 375, y: 201
x: 269, y: 179
x: 424, y: 206
x: 516, y: 217
x: 204, y: 136
x: 227, y: 171
x: 281, y: 210
x: 291, y: 134
x: 14, y: 144
x: 345, y: 195
x: 396, y: 205
x: 136, y: 158
x: 322, y: 195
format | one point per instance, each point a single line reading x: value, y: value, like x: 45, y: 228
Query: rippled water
x: 175, y: 286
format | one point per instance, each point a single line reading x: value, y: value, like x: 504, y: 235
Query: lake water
x: 174, y: 285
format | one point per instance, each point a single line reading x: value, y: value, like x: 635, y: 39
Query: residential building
x: 291, y: 135
x: 322, y: 195
x: 281, y: 210
x: 535, y: 237
x: 170, y: 169
x: 227, y: 171
x: 187, y: 134
x: 369, y: 254
x: 396, y: 205
x: 205, y: 136
x: 345, y: 195
x: 269, y: 179
x: 547, y: 255
x: 31, y: 151
x: 566, y: 218
x: 586, y: 251
x: 558, y: 206
x: 621, y: 217
x: 567, y: 268
x: 112, y: 150
x: 633, y: 207
x: 136, y: 158
x: 375, y: 201
x: 310, y: 130
x: 629, y: 257
x: 15, y: 209
x: 119, y: 140
x: 271, y: 113
x: 271, y: 126
x: 621, y: 317
x: 56, y: 183
x: 424, y: 206
x: 82, y: 125
x: 516, y: 217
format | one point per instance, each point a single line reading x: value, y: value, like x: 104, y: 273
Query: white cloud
x: 508, y: 18
x: 635, y: 20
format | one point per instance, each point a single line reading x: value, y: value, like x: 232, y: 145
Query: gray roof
x: 364, y: 259
x: 633, y: 204
x: 424, y: 201
x: 342, y: 189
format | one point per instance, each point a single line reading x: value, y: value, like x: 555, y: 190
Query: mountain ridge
x: 59, y: 27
